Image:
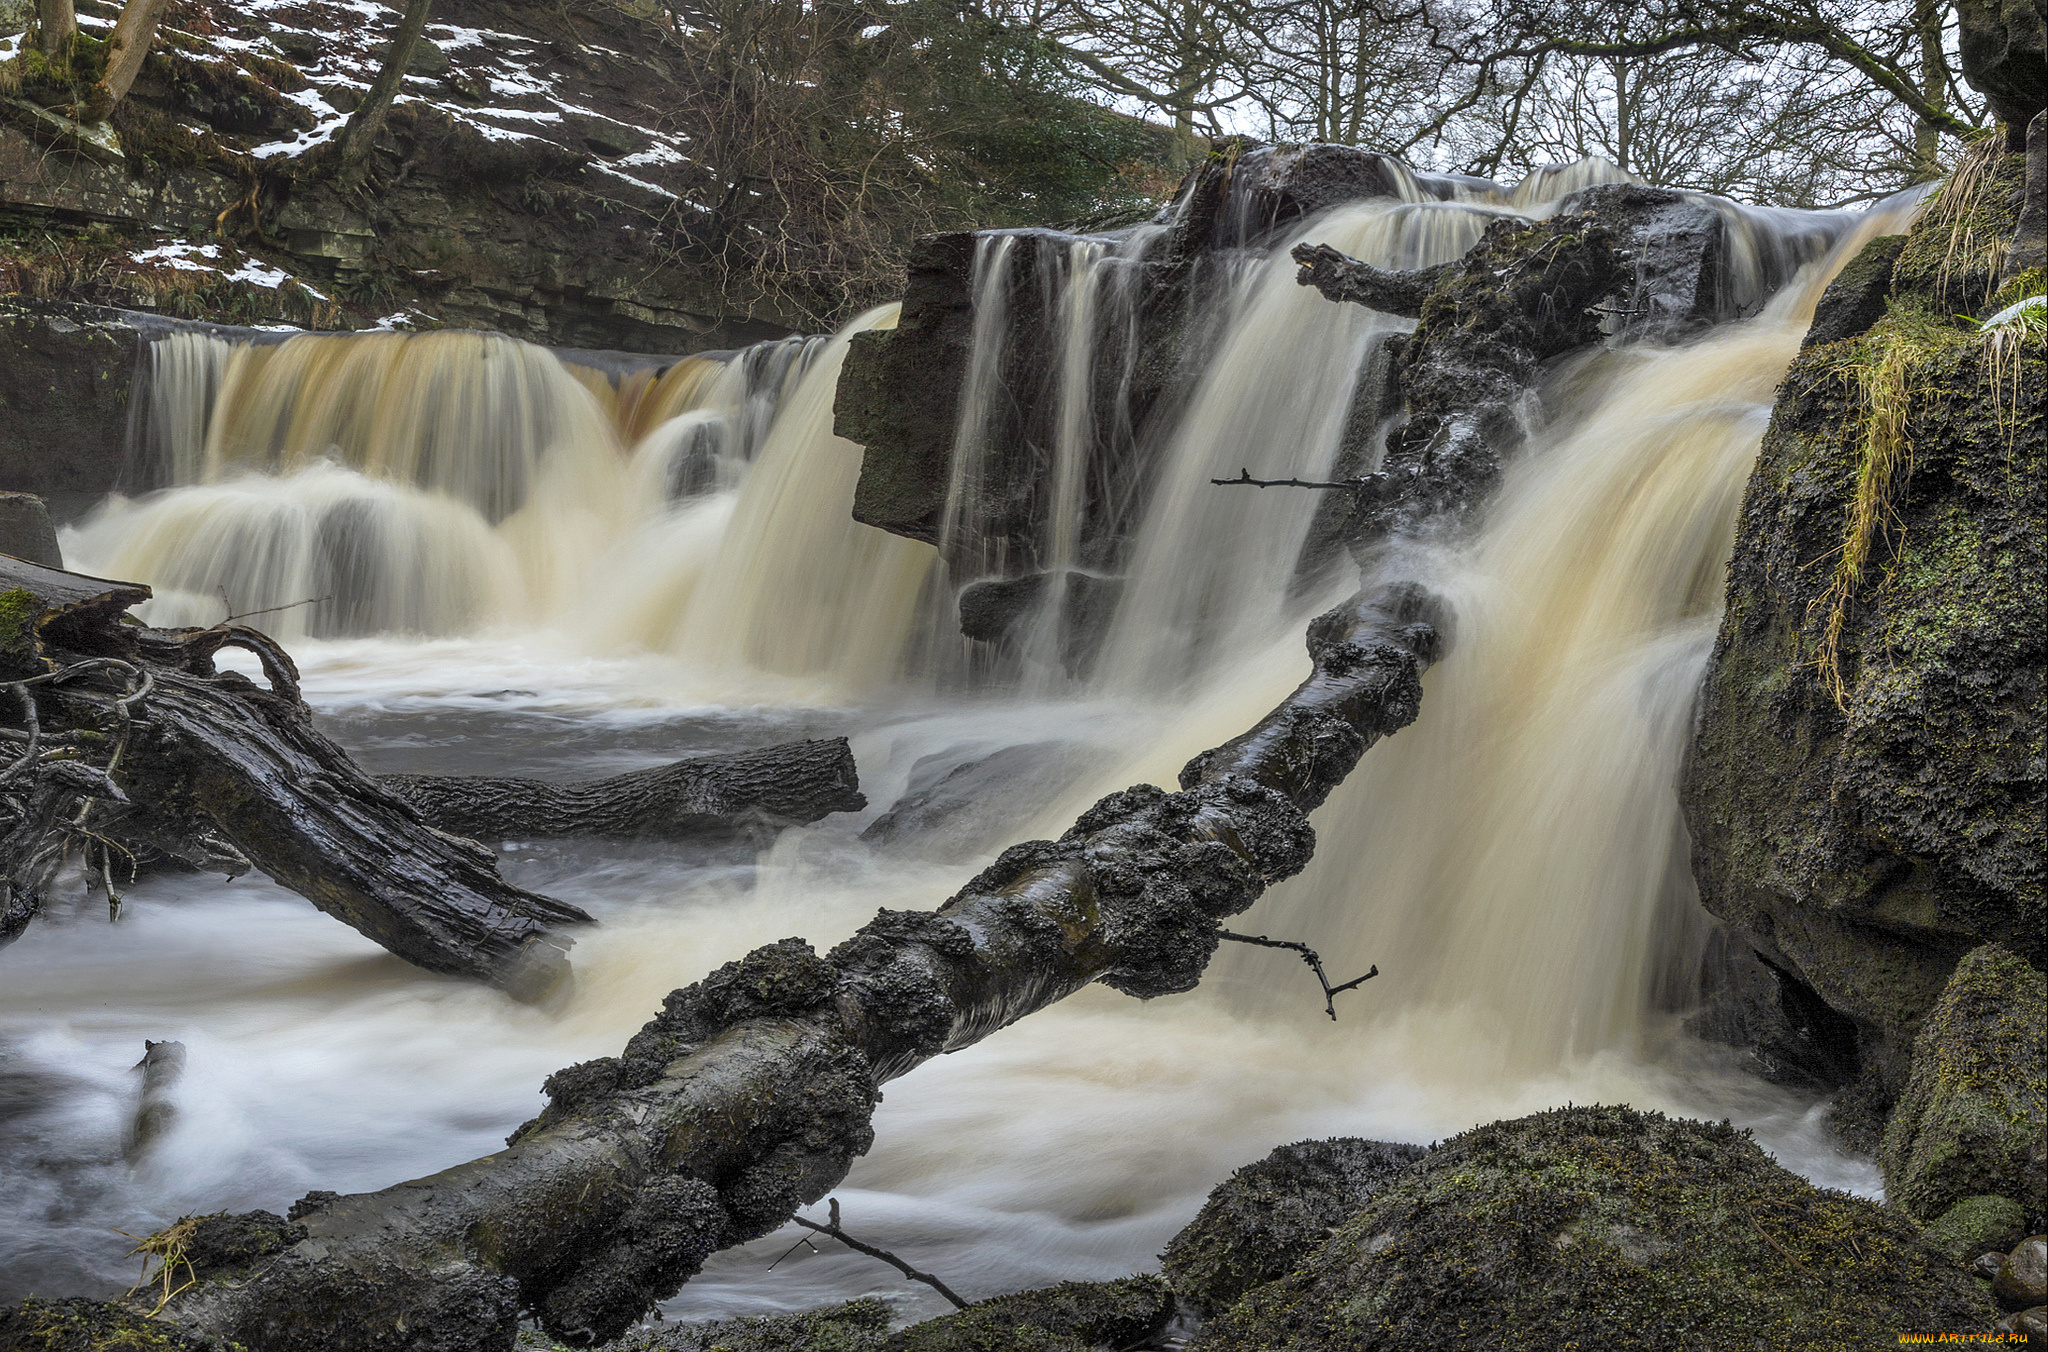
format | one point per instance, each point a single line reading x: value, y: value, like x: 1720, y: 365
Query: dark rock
x: 1986, y: 1265
x: 1790, y: 1035
x: 1607, y: 1228
x: 1971, y: 1120
x: 427, y: 58
x: 1855, y: 299
x: 2022, y: 1280
x: 1000, y: 611
x: 2028, y: 250
x: 2005, y: 58
x: 607, y: 137
x: 78, y: 1325
x: 64, y: 375
x: 1863, y: 846
x: 25, y: 530
x: 899, y: 392
x: 950, y: 803
x: 1263, y: 1220
x: 1977, y: 1227
x: 1070, y: 1317
x: 1267, y: 186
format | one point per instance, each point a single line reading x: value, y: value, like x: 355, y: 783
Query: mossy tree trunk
x: 56, y: 26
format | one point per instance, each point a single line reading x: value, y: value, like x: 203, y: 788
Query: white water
x: 1507, y: 862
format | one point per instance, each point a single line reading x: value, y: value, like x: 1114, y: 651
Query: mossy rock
x: 1612, y: 1229
x: 1069, y: 1317
x: 1977, y: 1225
x: 857, y: 1326
x: 1863, y: 838
x: 1972, y: 1120
x: 79, y: 1325
x: 1267, y: 1216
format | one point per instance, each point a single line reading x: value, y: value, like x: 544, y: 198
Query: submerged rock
x: 1267, y: 1216
x: 951, y: 802
x: 1971, y: 1120
x: 1607, y: 1228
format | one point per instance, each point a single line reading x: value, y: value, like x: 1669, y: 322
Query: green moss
x: 1611, y: 1229
x: 1069, y: 1317
x: 1977, y: 1225
x: 19, y: 611
x: 78, y: 1325
x: 1952, y: 256
x: 2032, y: 282
x: 1974, y: 1113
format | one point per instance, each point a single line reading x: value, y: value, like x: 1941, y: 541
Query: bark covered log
x: 743, y: 791
x: 749, y: 1094
x: 212, y: 757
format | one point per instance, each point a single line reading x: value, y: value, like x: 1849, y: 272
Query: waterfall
x: 1515, y: 862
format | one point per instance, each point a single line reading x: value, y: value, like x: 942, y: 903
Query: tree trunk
x: 359, y: 137
x: 744, y: 792
x: 749, y: 1094
x: 133, y: 33
x: 56, y: 25
x: 113, y: 715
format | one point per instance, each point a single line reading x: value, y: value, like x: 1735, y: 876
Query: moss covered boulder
x: 1612, y: 1229
x: 1267, y: 1216
x: 1973, y: 1120
x: 1865, y: 788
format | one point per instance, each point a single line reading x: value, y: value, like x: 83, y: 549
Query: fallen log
x: 743, y: 792
x: 142, y: 716
x: 749, y: 1094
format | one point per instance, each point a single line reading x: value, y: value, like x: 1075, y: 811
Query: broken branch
x: 1315, y: 964
x: 871, y: 1251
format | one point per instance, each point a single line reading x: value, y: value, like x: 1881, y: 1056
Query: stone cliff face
x: 1865, y: 789
x: 530, y: 180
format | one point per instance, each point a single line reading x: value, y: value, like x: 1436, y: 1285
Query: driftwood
x: 121, y: 719
x: 744, y: 791
x: 749, y: 1094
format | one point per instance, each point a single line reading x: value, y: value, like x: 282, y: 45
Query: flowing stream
x: 524, y: 567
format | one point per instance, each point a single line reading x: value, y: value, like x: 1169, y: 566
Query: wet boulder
x: 79, y: 1325
x: 1855, y: 300
x: 1605, y: 1227
x: 1001, y: 610
x: 954, y: 797
x: 1269, y: 1215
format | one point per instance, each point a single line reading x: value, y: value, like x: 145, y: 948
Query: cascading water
x: 1512, y: 862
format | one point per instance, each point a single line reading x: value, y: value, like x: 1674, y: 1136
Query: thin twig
x: 871, y: 1251
x: 1315, y: 964
x: 267, y: 610
x: 1244, y: 479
